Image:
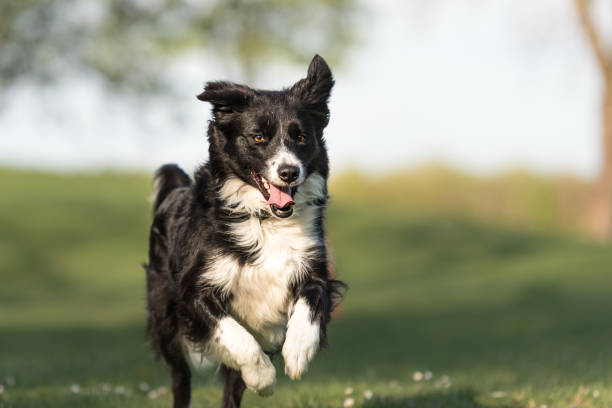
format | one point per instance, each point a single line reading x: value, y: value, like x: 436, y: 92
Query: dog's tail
x: 167, y: 178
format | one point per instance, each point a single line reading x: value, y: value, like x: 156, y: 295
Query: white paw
x: 301, y: 343
x: 260, y: 376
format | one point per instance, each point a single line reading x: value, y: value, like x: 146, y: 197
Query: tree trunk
x: 600, y: 217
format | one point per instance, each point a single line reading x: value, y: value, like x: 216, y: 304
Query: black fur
x: 234, y: 387
x: 191, y: 222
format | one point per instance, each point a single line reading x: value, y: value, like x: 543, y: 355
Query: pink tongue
x: 279, y: 197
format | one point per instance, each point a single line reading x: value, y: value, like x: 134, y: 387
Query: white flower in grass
x: 348, y: 390
x: 417, y: 376
x: 443, y: 382
x: 348, y: 403
x: 10, y: 381
x: 428, y: 374
x: 595, y: 393
x: 143, y: 387
x: 75, y: 388
x: 106, y: 388
x: 1, y: 389
x: 368, y: 394
x: 157, y: 392
x: 120, y: 390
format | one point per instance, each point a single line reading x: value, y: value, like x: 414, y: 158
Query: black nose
x: 288, y: 173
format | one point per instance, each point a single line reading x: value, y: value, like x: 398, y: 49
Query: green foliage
x: 512, y: 318
x: 513, y: 198
x: 129, y: 43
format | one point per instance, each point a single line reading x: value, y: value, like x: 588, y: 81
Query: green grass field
x: 497, y: 317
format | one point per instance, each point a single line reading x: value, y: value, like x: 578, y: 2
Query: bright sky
x: 479, y: 84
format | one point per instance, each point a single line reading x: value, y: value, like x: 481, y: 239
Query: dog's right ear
x: 314, y: 90
x: 226, y: 97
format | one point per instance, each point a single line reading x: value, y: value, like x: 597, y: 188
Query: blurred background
x: 471, y: 215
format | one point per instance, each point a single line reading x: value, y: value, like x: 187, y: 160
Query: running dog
x: 238, y: 265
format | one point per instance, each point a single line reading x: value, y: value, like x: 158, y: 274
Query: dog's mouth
x: 280, y: 199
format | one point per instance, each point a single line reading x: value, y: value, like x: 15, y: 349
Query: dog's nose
x: 288, y: 173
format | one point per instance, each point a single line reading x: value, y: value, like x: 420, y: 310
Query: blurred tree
x: 129, y: 43
x: 601, y: 213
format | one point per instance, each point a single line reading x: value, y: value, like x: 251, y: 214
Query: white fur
x: 236, y: 348
x: 260, y: 289
x: 284, y: 157
x: 196, y: 355
x: 242, y: 197
x: 302, y: 340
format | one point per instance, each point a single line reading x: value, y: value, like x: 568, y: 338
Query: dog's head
x: 271, y: 140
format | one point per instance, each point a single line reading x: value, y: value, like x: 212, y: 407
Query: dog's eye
x: 301, y: 138
x: 258, y: 138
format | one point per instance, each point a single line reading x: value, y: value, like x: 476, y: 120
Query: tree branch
x: 589, y: 28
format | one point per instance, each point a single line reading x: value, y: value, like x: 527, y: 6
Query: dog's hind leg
x: 181, y: 385
x: 234, y: 387
x: 181, y: 375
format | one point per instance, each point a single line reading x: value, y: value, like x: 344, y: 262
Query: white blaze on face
x: 281, y: 158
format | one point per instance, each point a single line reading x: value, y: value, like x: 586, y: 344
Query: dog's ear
x: 314, y: 90
x: 226, y: 97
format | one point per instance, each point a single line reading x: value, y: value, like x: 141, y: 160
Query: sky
x: 481, y: 85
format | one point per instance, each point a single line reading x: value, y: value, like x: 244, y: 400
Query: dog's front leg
x: 307, y: 324
x: 235, y: 347
x: 316, y: 297
x: 302, y: 339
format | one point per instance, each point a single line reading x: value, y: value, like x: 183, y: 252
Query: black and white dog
x: 238, y: 266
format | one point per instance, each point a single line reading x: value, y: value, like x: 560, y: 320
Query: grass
x: 500, y: 317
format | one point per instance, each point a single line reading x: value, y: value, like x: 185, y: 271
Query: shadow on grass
x: 489, y: 308
x: 462, y: 398
x: 82, y: 355
x: 543, y: 336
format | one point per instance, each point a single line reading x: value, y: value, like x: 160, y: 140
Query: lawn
x: 441, y: 311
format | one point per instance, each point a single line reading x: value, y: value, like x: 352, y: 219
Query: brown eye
x: 301, y: 138
x: 258, y: 138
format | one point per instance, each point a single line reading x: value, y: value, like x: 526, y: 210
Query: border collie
x: 238, y: 265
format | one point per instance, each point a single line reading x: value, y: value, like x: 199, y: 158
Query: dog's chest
x: 261, y: 289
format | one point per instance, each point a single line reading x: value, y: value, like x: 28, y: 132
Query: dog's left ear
x: 226, y: 97
x: 314, y: 90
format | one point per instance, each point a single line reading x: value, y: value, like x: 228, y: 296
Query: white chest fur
x: 260, y: 290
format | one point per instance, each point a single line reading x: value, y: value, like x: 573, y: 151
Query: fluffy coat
x: 238, y: 265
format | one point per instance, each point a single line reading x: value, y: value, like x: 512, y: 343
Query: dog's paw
x: 260, y: 376
x: 300, y: 346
